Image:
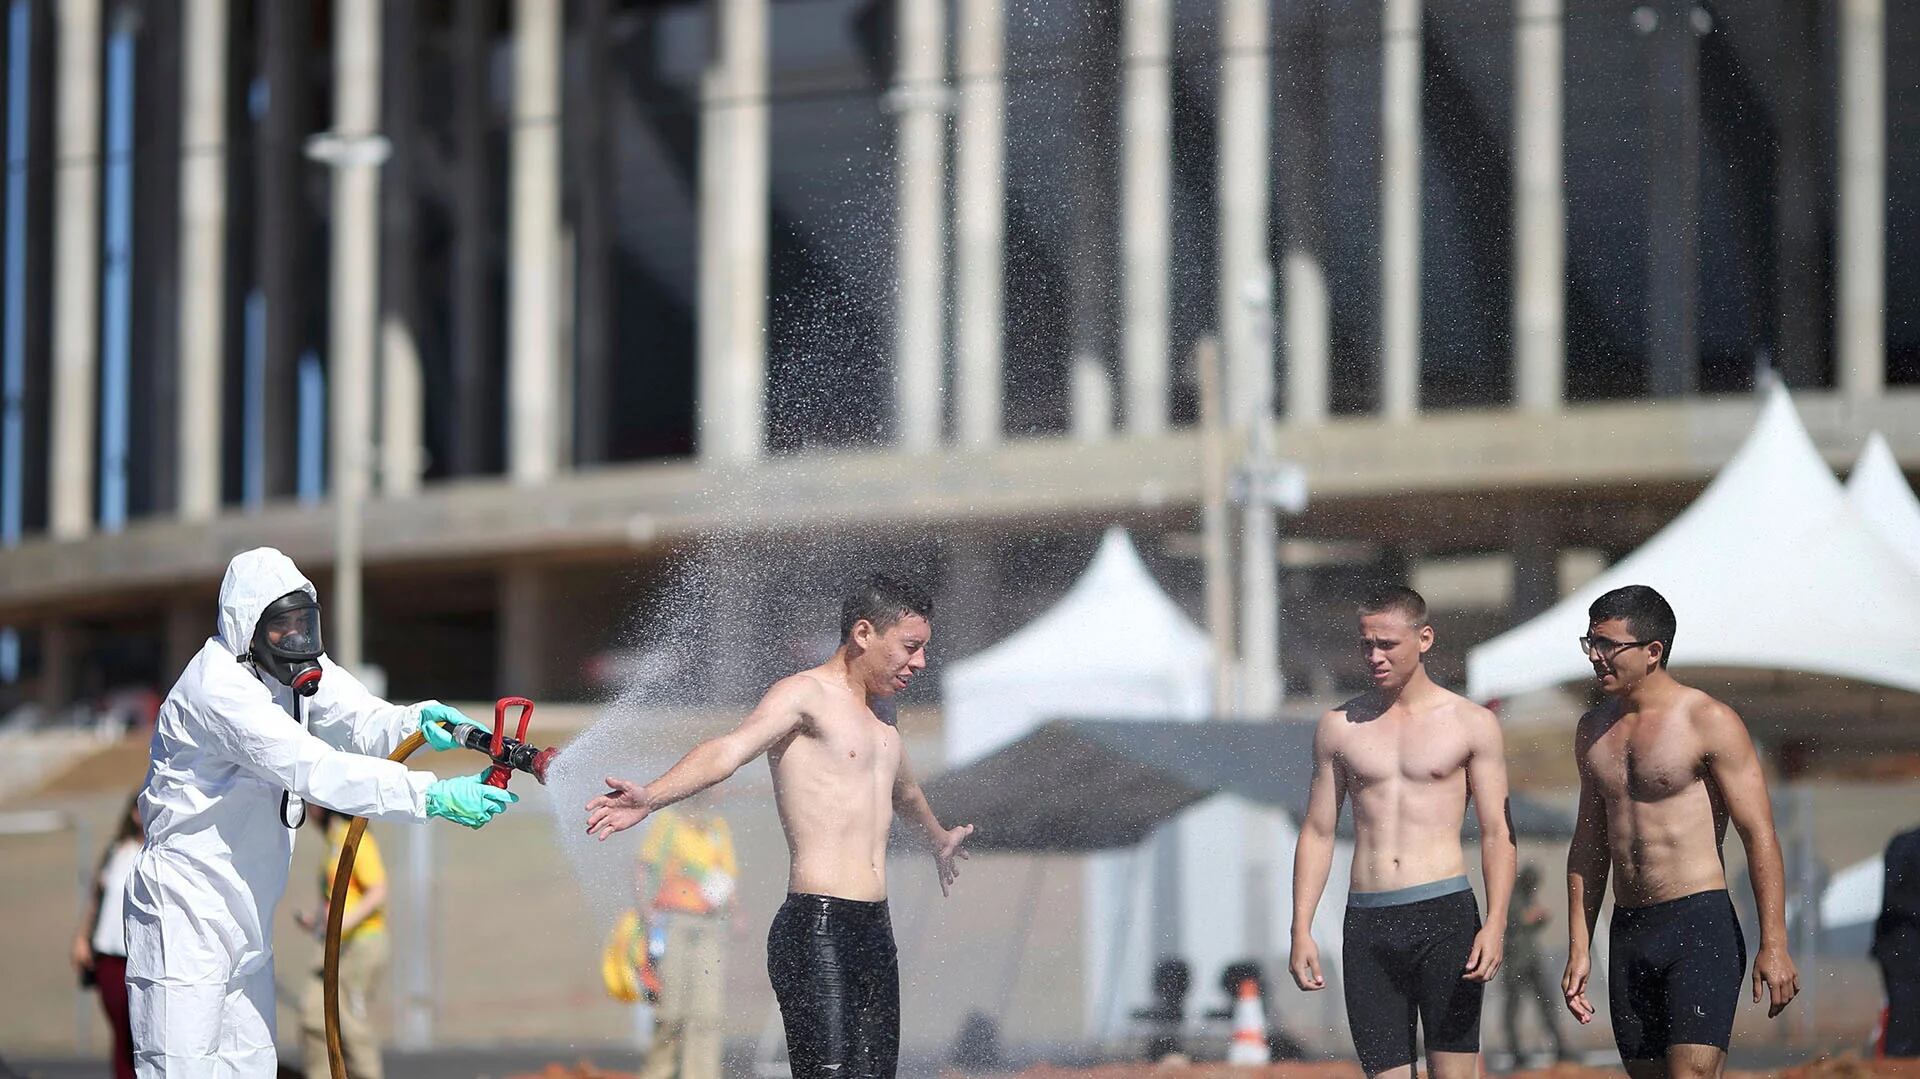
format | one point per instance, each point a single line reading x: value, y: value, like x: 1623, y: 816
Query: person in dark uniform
x: 1526, y: 978
x: 1896, y: 944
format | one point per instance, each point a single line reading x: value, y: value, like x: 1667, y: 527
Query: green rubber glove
x: 466, y: 800
x: 437, y: 722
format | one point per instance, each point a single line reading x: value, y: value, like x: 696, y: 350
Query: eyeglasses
x: 1602, y: 648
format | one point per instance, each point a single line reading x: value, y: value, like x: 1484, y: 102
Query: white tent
x: 1771, y: 569
x: 1116, y: 647
x: 1879, y: 491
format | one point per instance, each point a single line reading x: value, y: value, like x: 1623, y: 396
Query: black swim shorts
x: 1673, y: 974
x: 837, y: 977
x: 1405, y: 951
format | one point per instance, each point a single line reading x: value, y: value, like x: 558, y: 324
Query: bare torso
x: 1665, y: 819
x: 833, y: 783
x: 1405, y: 770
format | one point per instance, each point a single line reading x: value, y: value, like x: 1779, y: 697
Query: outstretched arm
x: 1487, y: 784
x: 1313, y: 855
x: 1734, y: 767
x: 626, y: 803
x: 911, y: 802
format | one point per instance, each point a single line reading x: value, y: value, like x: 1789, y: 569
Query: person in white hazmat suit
x: 260, y: 723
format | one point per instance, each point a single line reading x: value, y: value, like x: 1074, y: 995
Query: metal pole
x: 1261, y: 686
x: 1213, y: 514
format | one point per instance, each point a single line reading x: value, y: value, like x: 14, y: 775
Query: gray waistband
x: 1400, y: 897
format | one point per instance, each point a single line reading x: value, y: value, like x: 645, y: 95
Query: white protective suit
x: 200, y: 902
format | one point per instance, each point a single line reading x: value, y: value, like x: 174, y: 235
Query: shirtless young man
x: 1662, y: 769
x: 1408, y: 753
x: 839, y: 773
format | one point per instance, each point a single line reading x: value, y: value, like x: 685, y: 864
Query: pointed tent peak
x: 1117, y: 575
x: 1878, y: 468
x: 1779, y: 441
x: 1878, y: 489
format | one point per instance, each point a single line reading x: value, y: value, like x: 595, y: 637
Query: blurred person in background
x: 364, y: 952
x: 1896, y: 944
x: 1526, y: 975
x: 100, y: 946
x: 260, y: 723
x: 684, y: 883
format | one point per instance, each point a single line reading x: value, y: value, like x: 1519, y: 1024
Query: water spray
x: 509, y: 754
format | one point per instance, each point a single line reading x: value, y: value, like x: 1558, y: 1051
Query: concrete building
x: 656, y: 311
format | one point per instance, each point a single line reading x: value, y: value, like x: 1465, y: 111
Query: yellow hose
x: 337, y: 911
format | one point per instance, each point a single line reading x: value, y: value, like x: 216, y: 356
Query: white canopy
x: 1114, y: 647
x: 1770, y: 569
x: 1879, y: 491
x: 1854, y: 894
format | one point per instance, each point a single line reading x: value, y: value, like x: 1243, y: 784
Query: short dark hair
x: 1395, y: 597
x: 1648, y: 615
x: 881, y: 600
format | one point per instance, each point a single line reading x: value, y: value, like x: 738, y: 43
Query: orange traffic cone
x: 1249, y: 1028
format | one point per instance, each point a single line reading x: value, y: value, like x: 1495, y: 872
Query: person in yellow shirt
x: 364, y: 952
x: 684, y: 880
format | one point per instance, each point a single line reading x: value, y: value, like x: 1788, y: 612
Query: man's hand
x: 1574, y: 985
x: 623, y: 806
x: 1304, y: 964
x: 1489, y: 947
x: 1774, y: 969
x: 945, y: 855
x: 82, y: 953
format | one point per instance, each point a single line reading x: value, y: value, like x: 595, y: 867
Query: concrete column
x: 203, y: 227
x: 402, y: 398
x: 1863, y: 196
x: 353, y: 326
x: 919, y: 98
x: 733, y: 236
x: 979, y: 220
x: 1539, y: 209
x: 1301, y: 130
x: 533, y: 383
x: 1245, y: 169
x: 1146, y: 183
x: 76, y: 254
x: 1400, y: 209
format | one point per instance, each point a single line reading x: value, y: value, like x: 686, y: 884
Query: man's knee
x: 1695, y: 1062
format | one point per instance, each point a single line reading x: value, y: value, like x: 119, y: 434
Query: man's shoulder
x: 1708, y: 714
x: 1464, y: 709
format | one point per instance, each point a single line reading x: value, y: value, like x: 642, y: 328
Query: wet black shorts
x: 1673, y: 974
x: 837, y: 977
x: 1405, y: 951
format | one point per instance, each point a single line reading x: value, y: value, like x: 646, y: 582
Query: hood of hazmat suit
x: 228, y: 745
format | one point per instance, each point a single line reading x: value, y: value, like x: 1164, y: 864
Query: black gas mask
x: 286, y: 643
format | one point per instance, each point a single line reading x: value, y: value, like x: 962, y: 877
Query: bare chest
x: 855, y: 747
x: 1647, y: 759
x: 1408, y: 753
